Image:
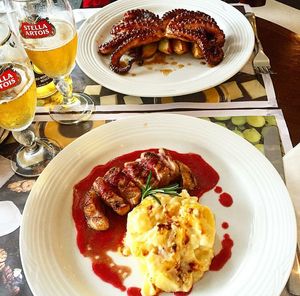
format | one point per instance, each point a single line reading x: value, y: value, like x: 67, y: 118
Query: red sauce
x: 225, y: 199
x: 133, y: 291
x: 206, y: 176
x: 224, y: 255
x: 182, y: 293
x: 96, y: 244
x: 225, y: 225
x: 218, y: 189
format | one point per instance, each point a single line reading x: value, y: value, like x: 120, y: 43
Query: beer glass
x: 48, y: 33
x: 17, y: 106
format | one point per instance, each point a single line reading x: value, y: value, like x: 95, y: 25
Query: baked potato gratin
x: 172, y: 240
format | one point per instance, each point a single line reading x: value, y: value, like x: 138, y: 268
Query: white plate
x: 262, y: 220
x: 193, y: 77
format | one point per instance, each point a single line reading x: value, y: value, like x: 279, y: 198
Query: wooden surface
x: 283, y: 48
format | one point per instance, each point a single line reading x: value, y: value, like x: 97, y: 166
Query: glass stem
x: 33, y: 155
x: 65, y: 87
x: 27, y: 139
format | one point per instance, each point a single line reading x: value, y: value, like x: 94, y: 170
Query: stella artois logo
x: 35, y: 27
x: 9, y: 77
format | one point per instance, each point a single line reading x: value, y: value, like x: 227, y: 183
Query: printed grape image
x: 251, y: 128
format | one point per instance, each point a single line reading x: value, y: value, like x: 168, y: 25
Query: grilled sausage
x: 126, y: 187
x: 107, y: 193
x: 94, y: 211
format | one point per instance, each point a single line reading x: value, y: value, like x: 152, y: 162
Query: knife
x: 272, y: 149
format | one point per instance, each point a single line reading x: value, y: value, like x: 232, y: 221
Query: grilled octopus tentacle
x: 212, y: 31
x: 139, y: 27
x: 138, y: 14
x: 187, y: 14
x: 128, y: 27
x: 146, y: 37
x: 134, y: 16
x: 212, y: 54
x: 111, y: 45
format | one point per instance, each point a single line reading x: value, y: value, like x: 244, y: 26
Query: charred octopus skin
x: 121, y: 187
x: 134, y: 24
x: 140, y: 27
x: 199, y: 28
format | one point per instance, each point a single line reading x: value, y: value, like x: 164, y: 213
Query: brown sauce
x: 166, y: 71
x: 158, y: 58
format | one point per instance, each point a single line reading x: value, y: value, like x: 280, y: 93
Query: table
x: 283, y: 48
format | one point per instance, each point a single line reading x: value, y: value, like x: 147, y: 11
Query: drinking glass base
x: 79, y: 110
x: 31, y: 161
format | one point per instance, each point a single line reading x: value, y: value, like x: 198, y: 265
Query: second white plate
x: 187, y: 75
x: 261, y: 219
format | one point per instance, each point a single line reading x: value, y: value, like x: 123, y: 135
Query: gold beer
x: 56, y: 56
x: 17, y: 113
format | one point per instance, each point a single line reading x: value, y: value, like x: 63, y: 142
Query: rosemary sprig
x: 147, y: 190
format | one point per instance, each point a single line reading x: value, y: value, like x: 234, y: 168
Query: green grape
x: 252, y: 135
x: 221, y: 124
x: 256, y: 121
x: 238, y: 120
x: 238, y: 132
x: 223, y: 118
x: 271, y: 120
x: 261, y: 148
x: 205, y: 118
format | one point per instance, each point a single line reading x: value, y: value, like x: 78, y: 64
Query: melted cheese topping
x: 172, y: 241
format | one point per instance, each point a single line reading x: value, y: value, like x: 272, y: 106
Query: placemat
x: 249, y: 124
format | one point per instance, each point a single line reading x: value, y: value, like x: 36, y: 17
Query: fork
x: 261, y: 63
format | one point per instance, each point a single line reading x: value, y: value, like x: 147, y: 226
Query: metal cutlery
x: 261, y: 63
x: 272, y: 149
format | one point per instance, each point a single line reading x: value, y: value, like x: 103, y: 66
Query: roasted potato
x: 196, y: 51
x: 165, y: 46
x: 179, y: 47
x: 149, y: 50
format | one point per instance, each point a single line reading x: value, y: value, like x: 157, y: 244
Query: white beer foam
x: 64, y: 34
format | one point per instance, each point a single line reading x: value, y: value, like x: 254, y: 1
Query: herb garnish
x: 147, y: 190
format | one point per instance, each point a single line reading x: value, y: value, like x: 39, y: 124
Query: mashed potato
x: 172, y: 241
